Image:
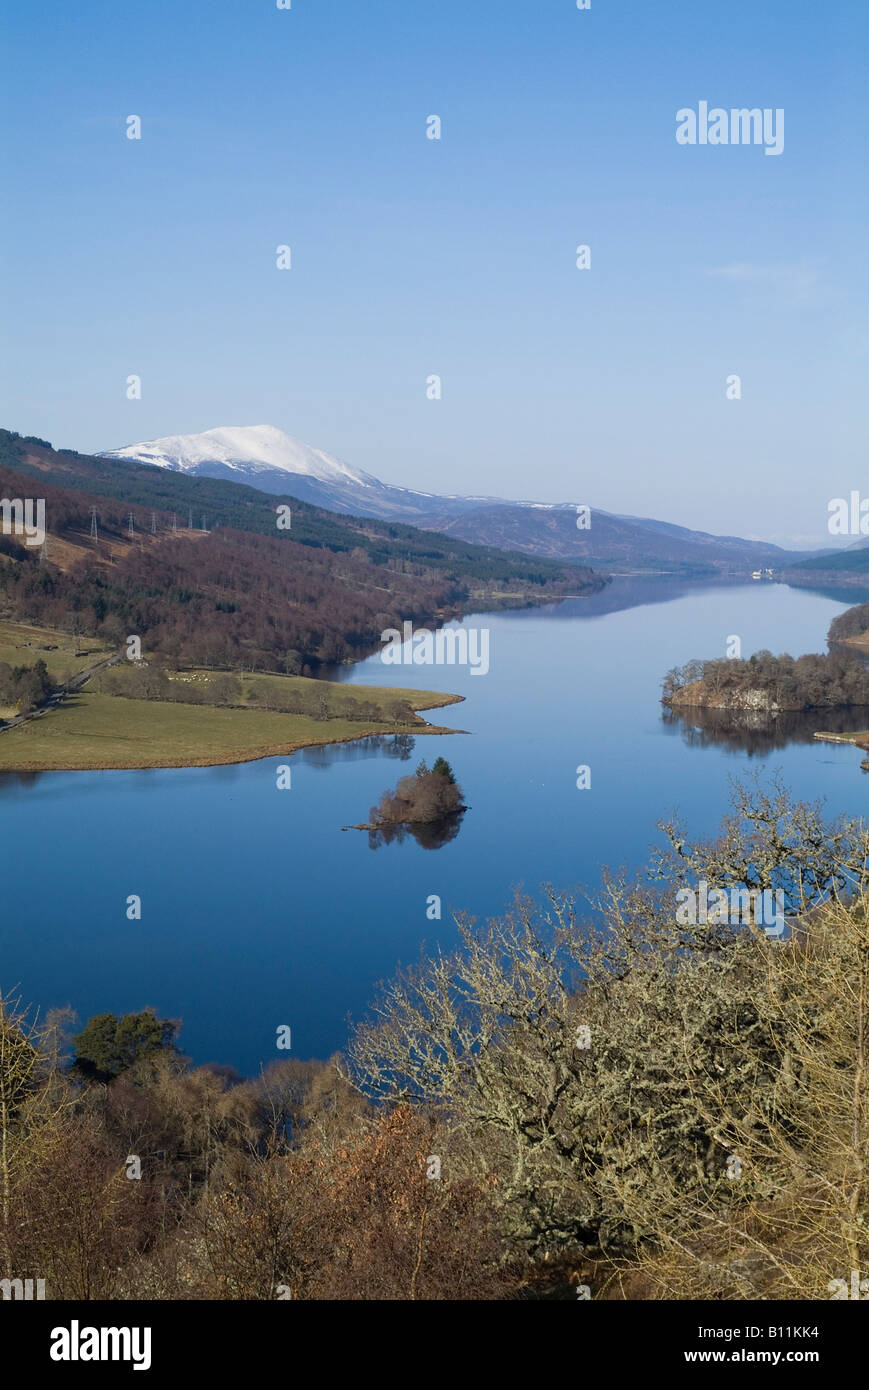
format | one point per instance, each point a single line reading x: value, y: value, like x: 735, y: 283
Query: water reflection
x: 433, y: 835
x: 398, y: 746
x: 14, y: 780
x: 756, y: 733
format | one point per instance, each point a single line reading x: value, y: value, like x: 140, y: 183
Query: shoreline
x: 859, y: 739
x: 237, y: 756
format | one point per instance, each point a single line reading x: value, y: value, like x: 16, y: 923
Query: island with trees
x: 428, y: 795
x: 769, y: 684
x: 428, y: 805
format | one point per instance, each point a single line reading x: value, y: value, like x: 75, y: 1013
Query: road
x: 59, y: 695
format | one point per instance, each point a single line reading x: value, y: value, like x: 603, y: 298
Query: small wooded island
x: 429, y: 799
x: 429, y: 795
x: 768, y: 684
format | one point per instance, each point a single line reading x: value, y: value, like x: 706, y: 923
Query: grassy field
x: 22, y: 645
x: 100, y: 731
x: 342, y: 698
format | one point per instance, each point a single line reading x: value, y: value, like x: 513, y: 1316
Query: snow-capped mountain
x: 269, y: 459
x: 250, y: 450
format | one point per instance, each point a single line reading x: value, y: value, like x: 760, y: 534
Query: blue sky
x: 456, y: 257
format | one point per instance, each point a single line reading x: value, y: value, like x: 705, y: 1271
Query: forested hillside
x: 854, y: 622
x: 240, y: 592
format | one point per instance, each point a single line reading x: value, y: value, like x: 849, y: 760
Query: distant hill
x: 275, y: 462
x: 848, y: 567
x: 621, y: 544
x: 246, y: 508
x: 854, y: 560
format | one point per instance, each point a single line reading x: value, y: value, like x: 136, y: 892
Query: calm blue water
x: 258, y: 911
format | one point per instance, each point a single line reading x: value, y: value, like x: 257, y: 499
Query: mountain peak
x: 243, y: 448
